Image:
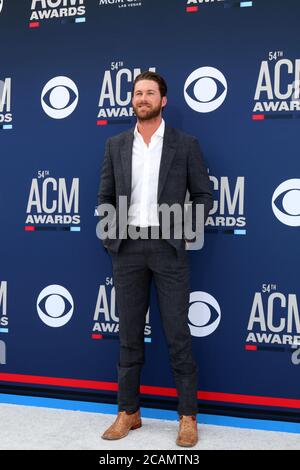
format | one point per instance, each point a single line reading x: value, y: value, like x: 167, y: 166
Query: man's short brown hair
x: 162, y: 85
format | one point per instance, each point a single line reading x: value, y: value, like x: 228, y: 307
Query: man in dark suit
x: 152, y: 164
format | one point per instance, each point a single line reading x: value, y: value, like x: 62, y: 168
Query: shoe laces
x: 186, y: 422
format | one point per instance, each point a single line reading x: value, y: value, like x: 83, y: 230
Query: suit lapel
x: 126, y: 155
x: 168, y: 152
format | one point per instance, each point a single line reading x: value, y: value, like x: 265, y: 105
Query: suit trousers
x: 134, y: 266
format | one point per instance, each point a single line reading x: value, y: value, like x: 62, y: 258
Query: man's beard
x: 151, y: 113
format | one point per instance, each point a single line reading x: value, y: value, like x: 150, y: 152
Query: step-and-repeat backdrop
x: 66, y: 73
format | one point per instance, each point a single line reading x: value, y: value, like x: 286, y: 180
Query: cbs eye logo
x: 55, y: 306
x: 287, y: 199
x: 205, y: 89
x: 59, y: 97
x: 204, y: 314
x: 1, y: 5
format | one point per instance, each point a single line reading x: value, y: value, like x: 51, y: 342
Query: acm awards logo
x: 59, y: 97
x: 116, y: 93
x: 106, y: 319
x: 55, y: 306
x: 53, y: 203
x: 228, y: 212
x: 121, y: 3
x: 3, y: 320
x: 286, y: 202
x: 3, y: 307
x: 274, y: 320
x: 193, y: 6
x: 1, y: 5
x: 205, y: 89
x: 277, y: 91
x: 6, y: 116
x: 49, y: 9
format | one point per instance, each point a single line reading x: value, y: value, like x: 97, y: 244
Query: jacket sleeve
x: 199, y: 184
x: 106, y: 192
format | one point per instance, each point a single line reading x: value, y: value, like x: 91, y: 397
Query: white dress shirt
x: 144, y: 183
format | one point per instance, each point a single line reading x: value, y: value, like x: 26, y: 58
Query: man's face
x: 147, y: 102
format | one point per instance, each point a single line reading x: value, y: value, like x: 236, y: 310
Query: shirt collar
x: 159, y: 132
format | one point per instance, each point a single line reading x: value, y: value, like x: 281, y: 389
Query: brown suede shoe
x: 188, y: 432
x: 122, y: 425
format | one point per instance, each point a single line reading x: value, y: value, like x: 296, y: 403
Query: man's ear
x: 164, y: 101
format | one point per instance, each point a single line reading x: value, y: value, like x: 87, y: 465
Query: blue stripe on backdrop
x: 278, y: 426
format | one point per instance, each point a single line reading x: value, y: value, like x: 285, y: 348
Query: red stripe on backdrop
x: 58, y: 382
x: 150, y: 390
x: 191, y: 9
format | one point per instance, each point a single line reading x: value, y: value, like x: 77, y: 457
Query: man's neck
x: 148, y: 128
